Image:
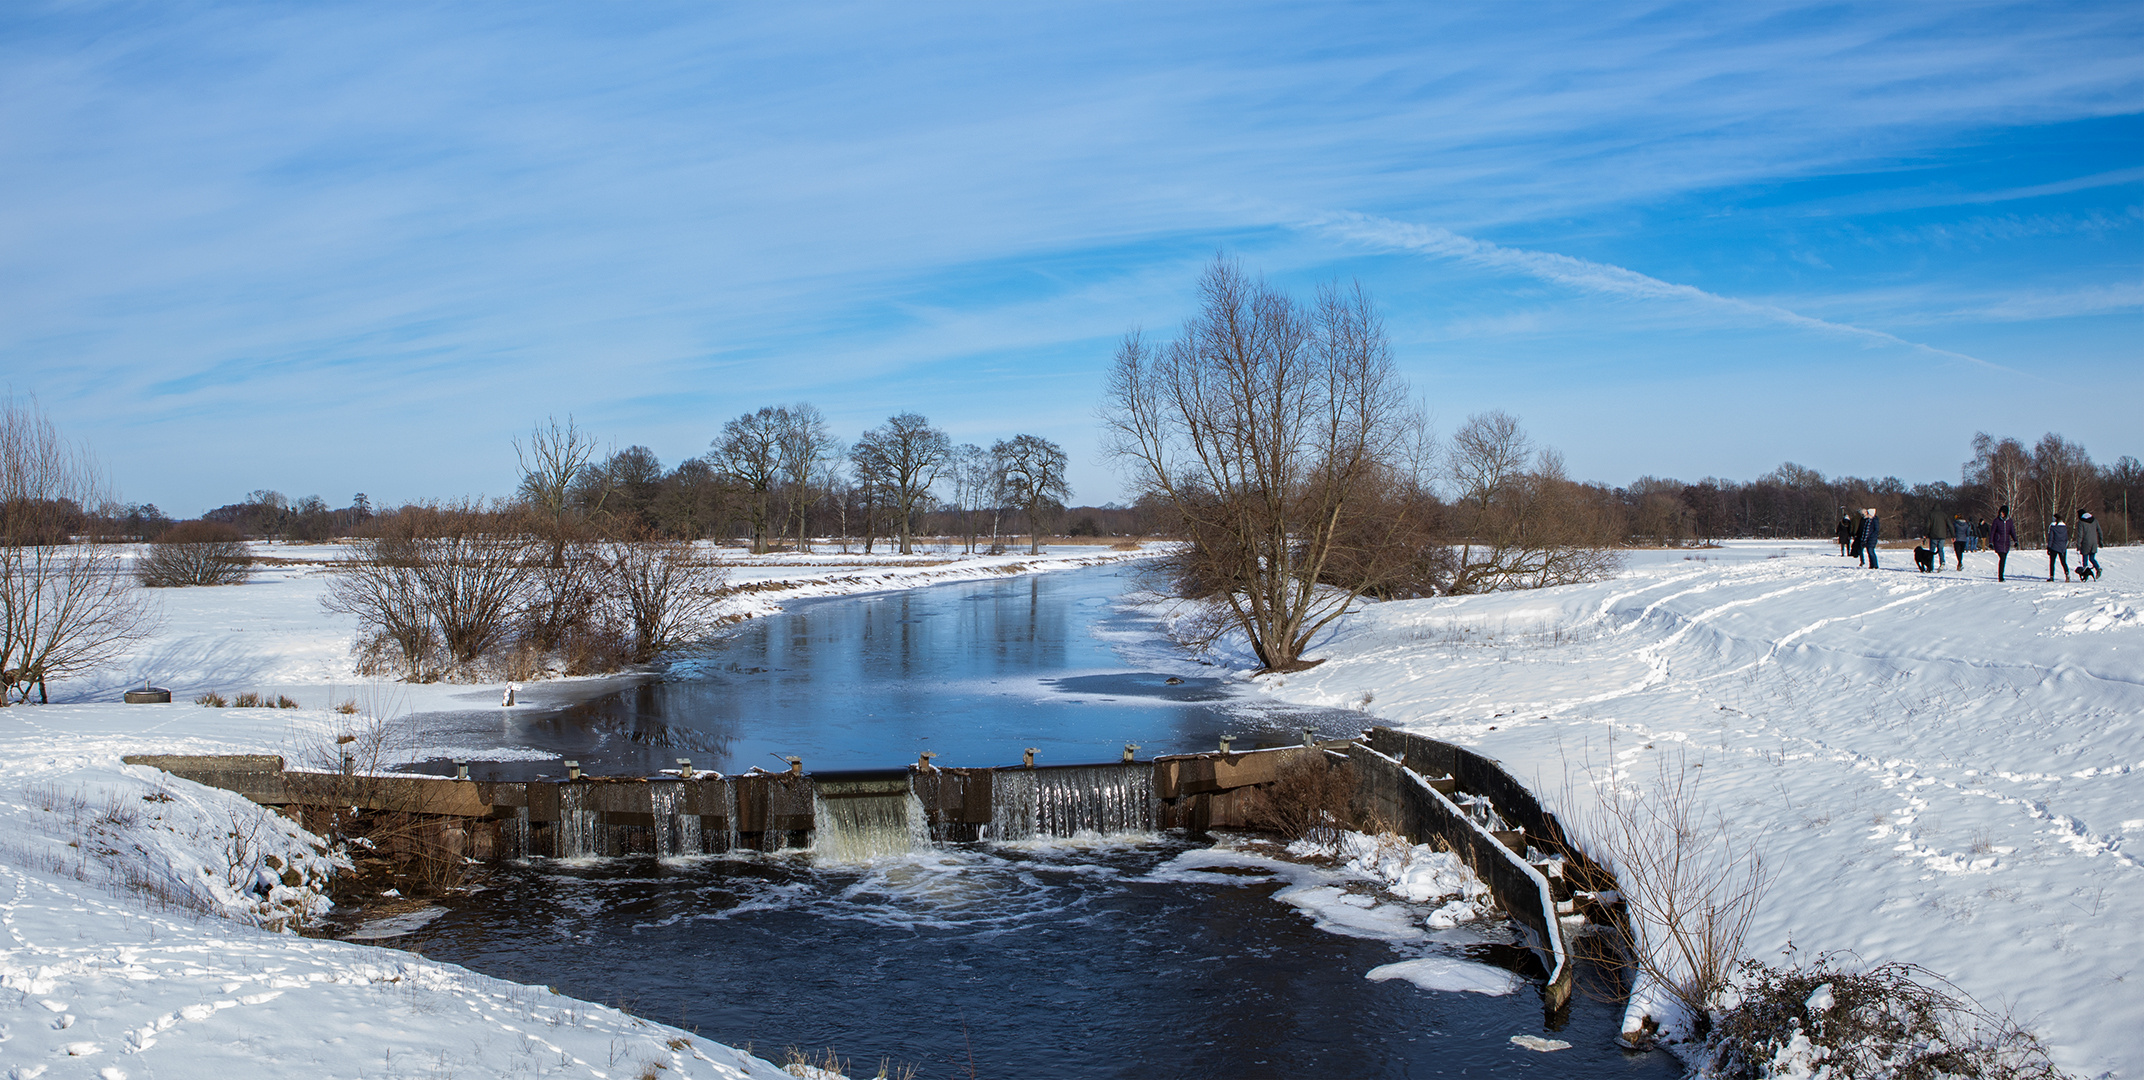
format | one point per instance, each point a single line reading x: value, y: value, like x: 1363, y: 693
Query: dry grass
x: 1690, y: 884
x: 1308, y: 800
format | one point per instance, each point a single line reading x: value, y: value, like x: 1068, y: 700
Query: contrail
x: 1587, y: 275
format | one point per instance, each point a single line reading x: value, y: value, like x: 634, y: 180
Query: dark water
x: 1065, y: 959
x: 974, y: 672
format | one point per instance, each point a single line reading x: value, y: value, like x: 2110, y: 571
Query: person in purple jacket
x: 2002, y: 536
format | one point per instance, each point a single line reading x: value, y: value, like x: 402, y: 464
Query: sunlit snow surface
x: 100, y: 978
x: 1941, y: 768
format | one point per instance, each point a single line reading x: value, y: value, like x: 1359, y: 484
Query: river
x: 1141, y: 955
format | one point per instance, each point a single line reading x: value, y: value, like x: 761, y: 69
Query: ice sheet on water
x: 393, y: 926
x: 1450, y: 974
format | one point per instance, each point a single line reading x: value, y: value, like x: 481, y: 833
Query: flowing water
x: 1073, y: 941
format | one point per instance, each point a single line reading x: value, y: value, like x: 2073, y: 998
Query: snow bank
x: 141, y: 911
x: 101, y: 987
x: 1942, y: 769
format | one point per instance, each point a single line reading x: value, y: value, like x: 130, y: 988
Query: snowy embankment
x: 140, y: 909
x: 1939, y: 768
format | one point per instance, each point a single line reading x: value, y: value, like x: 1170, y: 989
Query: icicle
x: 729, y: 814
x: 576, y: 827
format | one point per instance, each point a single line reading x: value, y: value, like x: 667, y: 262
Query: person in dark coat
x: 2058, y: 547
x: 1871, y: 531
x: 2088, y: 543
x: 1980, y: 535
x: 2002, y: 536
x: 1845, y: 530
x: 1938, y: 529
x: 1961, y: 537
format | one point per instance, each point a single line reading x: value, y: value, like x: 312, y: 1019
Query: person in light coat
x: 2002, y: 536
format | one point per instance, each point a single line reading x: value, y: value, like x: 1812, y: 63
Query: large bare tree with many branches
x: 1266, y: 426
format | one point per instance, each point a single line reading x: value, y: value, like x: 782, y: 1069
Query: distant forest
x: 700, y: 498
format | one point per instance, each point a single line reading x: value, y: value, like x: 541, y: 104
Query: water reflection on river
x: 974, y: 672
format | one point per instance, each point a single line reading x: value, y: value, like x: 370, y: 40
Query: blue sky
x: 328, y: 248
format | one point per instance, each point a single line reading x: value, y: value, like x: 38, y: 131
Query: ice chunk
x: 1536, y: 1042
x: 1449, y: 974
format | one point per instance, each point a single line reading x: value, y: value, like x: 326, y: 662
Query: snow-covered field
x: 137, y: 906
x: 1940, y: 768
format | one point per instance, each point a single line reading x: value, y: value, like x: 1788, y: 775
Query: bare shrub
x: 441, y: 586
x: 247, y: 700
x: 662, y: 594
x: 1309, y: 799
x: 1690, y: 883
x: 195, y: 553
x: 1521, y: 523
x: 1891, y: 1021
x: 211, y: 700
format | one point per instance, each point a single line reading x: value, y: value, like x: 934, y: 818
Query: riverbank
x: 1940, y: 768
x: 136, y: 903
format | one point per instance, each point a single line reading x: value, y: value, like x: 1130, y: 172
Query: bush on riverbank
x: 1893, y: 1021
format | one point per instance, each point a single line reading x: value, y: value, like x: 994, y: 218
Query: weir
x: 1426, y: 790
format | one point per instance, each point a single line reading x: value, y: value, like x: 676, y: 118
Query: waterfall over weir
x: 862, y: 819
x: 843, y: 817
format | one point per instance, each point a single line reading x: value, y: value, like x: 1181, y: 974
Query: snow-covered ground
x: 1940, y: 768
x: 140, y: 909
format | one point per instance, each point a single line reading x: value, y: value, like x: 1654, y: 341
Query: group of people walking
x: 1858, y: 538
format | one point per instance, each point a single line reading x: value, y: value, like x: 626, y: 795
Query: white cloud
x: 1593, y: 277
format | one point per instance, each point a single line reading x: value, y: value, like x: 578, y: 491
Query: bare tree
x: 1264, y: 426
x: 1521, y: 522
x: 64, y: 607
x: 911, y: 453
x: 2064, y: 480
x: 873, y: 474
x: 2004, y: 469
x: 750, y: 450
x: 692, y: 502
x: 806, y: 445
x: 971, y: 473
x: 551, y: 460
x: 1033, y: 472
